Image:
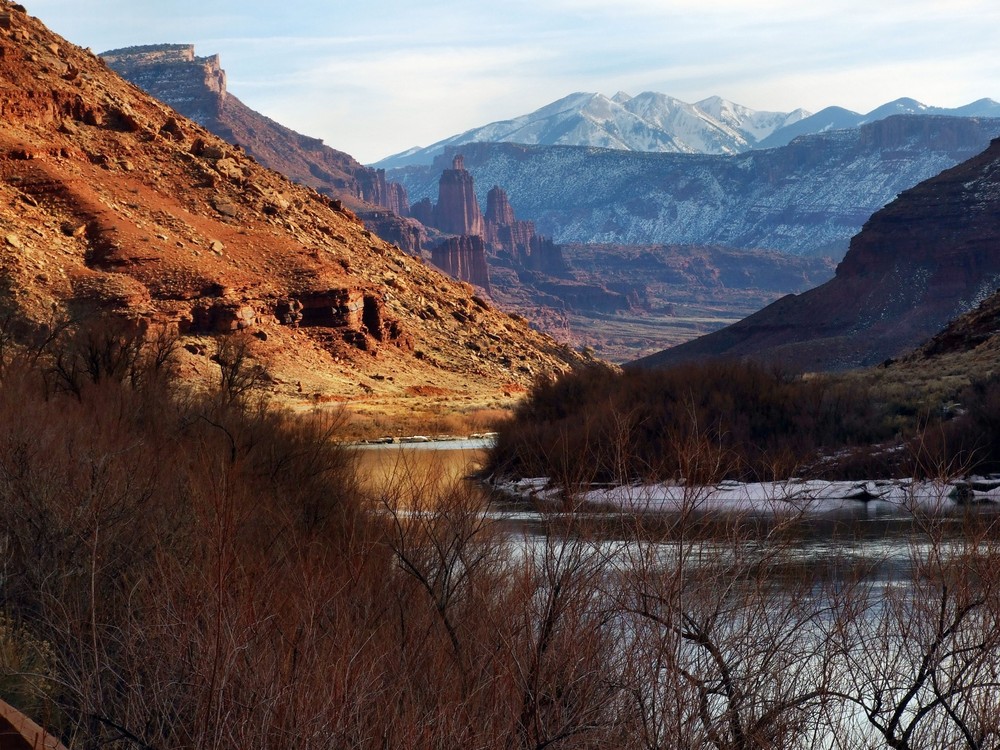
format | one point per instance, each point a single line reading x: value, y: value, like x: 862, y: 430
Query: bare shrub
x: 208, y: 572
x: 918, y: 653
x: 110, y: 349
x: 241, y: 376
x: 768, y: 423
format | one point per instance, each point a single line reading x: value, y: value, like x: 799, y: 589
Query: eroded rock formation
x: 463, y: 257
x: 927, y: 257
x: 407, y: 234
x: 504, y: 233
x: 545, y: 256
x: 457, y: 210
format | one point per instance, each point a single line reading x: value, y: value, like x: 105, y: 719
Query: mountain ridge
x: 649, y: 121
x: 196, y: 87
x: 809, y: 197
x: 925, y: 259
x: 656, y: 122
x: 112, y: 205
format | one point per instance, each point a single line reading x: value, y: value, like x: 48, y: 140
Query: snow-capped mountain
x: 838, y: 118
x: 806, y: 198
x: 659, y: 123
x: 647, y: 122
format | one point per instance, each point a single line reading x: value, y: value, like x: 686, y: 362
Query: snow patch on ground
x: 789, y: 497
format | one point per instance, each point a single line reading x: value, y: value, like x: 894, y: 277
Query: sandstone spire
x: 457, y: 210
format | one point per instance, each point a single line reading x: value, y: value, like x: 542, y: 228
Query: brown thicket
x: 609, y: 426
x: 183, y: 571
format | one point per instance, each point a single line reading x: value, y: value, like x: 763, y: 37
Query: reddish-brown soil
x: 111, y: 202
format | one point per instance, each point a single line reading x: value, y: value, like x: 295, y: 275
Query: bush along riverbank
x: 204, y: 571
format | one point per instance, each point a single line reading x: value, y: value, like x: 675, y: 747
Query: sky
x: 375, y: 77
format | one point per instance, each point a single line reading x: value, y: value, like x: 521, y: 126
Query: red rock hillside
x: 196, y: 87
x: 111, y: 202
x: 926, y: 258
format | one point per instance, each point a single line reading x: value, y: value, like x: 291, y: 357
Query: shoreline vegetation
x: 206, y: 571
x: 701, y: 424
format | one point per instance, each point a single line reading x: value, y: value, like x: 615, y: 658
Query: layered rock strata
x: 464, y: 258
x: 924, y: 259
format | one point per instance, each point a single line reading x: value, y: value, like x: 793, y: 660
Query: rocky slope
x: 196, y: 87
x: 112, y: 203
x: 926, y: 258
x: 809, y: 197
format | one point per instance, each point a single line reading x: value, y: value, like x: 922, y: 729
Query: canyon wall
x: 196, y: 87
x: 926, y: 258
x: 464, y: 258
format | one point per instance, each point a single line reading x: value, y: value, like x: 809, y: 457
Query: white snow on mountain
x: 655, y: 122
x: 646, y: 122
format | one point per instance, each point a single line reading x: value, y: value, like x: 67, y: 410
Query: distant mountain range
x: 806, y: 198
x: 656, y: 122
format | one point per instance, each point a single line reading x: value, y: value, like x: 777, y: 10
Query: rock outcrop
x: 924, y: 259
x: 545, y: 256
x: 516, y: 240
x: 457, y: 209
x: 196, y: 87
x: 423, y: 211
x: 504, y: 233
x: 499, y: 212
x: 406, y: 234
x: 396, y: 199
x: 464, y: 258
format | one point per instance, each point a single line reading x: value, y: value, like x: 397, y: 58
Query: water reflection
x: 851, y: 536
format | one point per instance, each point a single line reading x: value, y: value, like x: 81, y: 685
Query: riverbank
x: 789, y: 497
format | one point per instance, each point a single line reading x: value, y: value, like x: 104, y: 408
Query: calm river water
x: 853, y: 534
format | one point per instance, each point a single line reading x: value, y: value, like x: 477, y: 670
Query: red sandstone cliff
x: 464, y: 258
x: 504, y: 233
x: 457, y: 210
x: 196, y: 87
x: 924, y: 259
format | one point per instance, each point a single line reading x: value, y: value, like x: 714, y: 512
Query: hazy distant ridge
x: 655, y: 122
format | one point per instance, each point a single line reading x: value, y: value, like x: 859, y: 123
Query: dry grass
x: 447, y: 419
